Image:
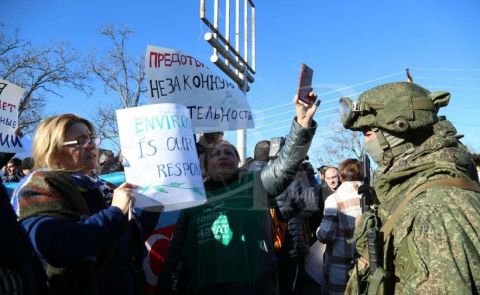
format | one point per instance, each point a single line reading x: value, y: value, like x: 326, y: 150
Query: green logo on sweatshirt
x: 221, y: 230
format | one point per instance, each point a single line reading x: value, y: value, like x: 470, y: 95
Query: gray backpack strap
x: 462, y: 183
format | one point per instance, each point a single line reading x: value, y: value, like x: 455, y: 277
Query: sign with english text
x: 214, y: 103
x: 160, y: 156
x: 10, y: 95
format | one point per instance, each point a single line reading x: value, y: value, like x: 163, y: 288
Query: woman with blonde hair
x: 85, y: 245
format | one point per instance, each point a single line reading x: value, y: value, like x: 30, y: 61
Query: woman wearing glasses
x: 85, y: 245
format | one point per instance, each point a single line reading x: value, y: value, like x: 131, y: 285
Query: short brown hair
x: 48, y: 140
x: 261, y: 150
x: 351, y: 170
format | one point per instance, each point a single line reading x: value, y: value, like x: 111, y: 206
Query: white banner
x: 10, y: 95
x: 160, y: 156
x: 213, y: 102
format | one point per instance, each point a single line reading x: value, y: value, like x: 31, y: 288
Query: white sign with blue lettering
x: 158, y: 146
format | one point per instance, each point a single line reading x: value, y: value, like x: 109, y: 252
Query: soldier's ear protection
x: 440, y: 98
x: 401, y: 124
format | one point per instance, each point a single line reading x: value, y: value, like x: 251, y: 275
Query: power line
x: 290, y: 119
x: 318, y: 118
x: 288, y: 104
x: 277, y: 114
x: 451, y: 87
x: 468, y: 96
x: 448, y: 69
x: 467, y: 124
x: 450, y: 109
x: 446, y: 78
x: 274, y: 123
x: 292, y: 110
x: 340, y: 89
x: 255, y: 131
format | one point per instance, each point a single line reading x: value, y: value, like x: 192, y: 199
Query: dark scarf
x: 86, y: 183
x: 62, y: 195
x: 72, y: 197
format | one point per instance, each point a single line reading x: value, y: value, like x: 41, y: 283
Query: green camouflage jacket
x: 435, y: 244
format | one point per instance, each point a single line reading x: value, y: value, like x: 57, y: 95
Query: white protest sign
x: 213, y: 102
x: 10, y: 95
x: 158, y: 146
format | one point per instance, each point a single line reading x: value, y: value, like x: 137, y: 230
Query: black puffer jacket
x: 300, y: 201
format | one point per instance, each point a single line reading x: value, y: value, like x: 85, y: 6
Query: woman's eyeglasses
x: 83, y: 141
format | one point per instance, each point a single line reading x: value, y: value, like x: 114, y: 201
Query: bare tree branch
x: 339, y: 144
x: 121, y: 74
x: 40, y: 71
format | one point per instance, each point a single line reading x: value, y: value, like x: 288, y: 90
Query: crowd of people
x: 16, y: 169
x: 417, y: 234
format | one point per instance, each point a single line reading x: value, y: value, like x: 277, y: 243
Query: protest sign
x: 214, y: 103
x: 160, y: 156
x: 10, y: 95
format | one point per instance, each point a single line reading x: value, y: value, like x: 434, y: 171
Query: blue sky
x: 351, y: 45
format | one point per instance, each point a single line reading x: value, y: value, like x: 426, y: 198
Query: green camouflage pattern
x: 436, y: 241
x: 389, y: 102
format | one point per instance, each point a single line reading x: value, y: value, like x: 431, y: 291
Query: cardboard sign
x: 160, y: 156
x: 10, y: 95
x: 213, y: 102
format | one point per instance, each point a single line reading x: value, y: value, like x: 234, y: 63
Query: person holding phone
x: 225, y: 246
x: 305, y: 85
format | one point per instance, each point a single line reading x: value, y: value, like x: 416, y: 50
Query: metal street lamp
x: 239, y: 66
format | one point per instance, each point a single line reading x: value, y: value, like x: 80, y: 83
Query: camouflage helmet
x: 396, y: 107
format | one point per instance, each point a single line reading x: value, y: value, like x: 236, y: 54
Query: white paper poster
x: 10, y: 95
x: 159, y: 150
x: 213, y: 102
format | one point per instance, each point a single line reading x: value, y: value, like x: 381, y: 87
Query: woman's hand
x: 305, y: 111
x: 123, y: 197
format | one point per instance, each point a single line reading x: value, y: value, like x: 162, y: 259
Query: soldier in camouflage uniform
x: 433, y: 245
